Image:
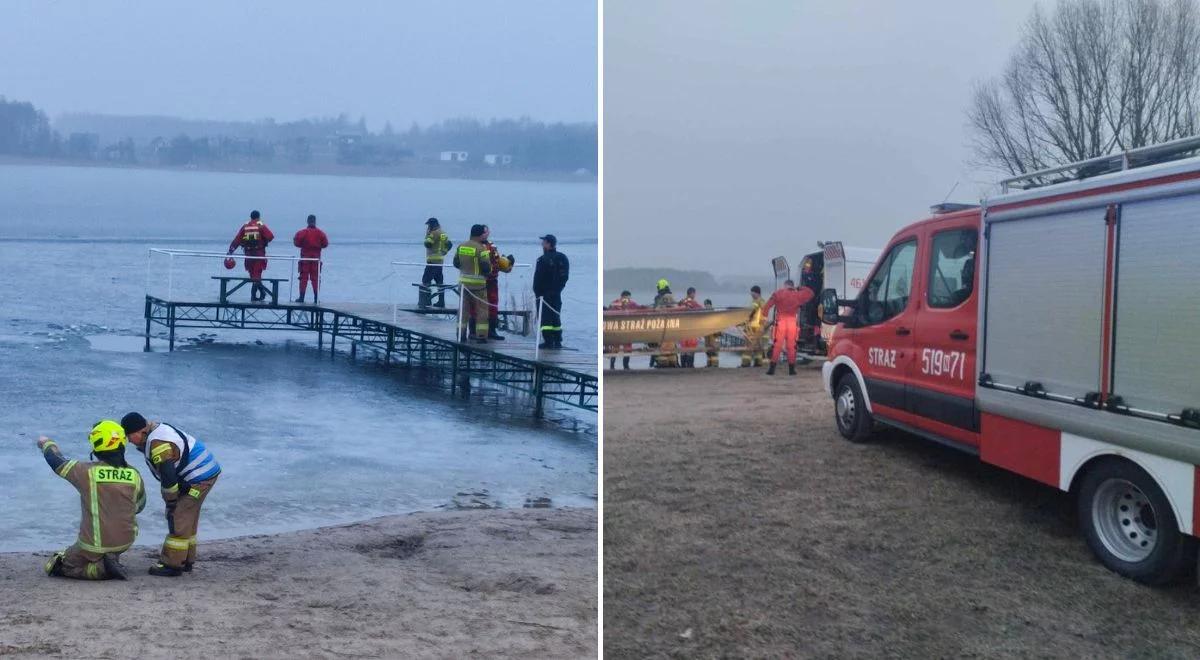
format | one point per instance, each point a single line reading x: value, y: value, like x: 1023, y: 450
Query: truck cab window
x: 952, y: 267
x: 886, y: 295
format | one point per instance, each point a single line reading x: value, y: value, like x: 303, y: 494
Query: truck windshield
x: 887, y: 292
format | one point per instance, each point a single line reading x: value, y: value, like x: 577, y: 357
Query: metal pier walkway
x: 566, y: 377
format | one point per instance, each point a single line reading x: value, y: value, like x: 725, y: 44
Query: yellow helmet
x: 504, y: 263
x: 107, y: 435
x: 663, y: 283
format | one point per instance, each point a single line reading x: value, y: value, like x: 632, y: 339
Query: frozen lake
x: 304, y: 439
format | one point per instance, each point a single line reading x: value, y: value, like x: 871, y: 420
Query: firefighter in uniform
x: 500, y: 264
x: 311, y: 240
x: 712, y: 344
x: 437, y: 245
x: 666, y: 356
x: 186, y: 472
x: 474, y: 262
x: 253, y: 237
x: 625, y: 302
x: 753, y: 355
x: 550, y: 276
x: 111, y: 495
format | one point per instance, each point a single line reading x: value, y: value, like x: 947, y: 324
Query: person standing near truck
x: 787, y: 303
x: 437, y: 246
x: 753, y: 355
x: 311, y: 241
x: 253, y: 237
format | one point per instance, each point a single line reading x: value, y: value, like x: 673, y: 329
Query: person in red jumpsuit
x: 493, y: 285
x: 787, y: 303
x: 253, y: 238
x: 311, y: 241
x: 625, y: 302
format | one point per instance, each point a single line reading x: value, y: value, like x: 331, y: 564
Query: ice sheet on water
x: 303, y: 440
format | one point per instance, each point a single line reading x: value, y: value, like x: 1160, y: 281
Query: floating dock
x: 403, y: 338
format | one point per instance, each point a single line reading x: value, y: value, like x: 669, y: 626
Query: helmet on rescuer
x: 107, y: 435
x: 230, y: 262
x: 663, y: 284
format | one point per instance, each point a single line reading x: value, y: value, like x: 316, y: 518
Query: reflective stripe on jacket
x: 437, y: 244
x: 474, y: 262
x: 110, y: 498
x: 193, y: 462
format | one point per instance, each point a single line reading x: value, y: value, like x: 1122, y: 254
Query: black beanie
x: 133, y: 422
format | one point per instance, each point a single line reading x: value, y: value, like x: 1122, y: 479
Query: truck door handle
x: 959, y: 335
x: 903, y: 331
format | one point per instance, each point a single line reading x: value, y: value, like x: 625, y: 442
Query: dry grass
x: 738, y: 523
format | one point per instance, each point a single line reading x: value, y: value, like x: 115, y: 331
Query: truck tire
x: 1129, y: 524
x: 854, y: 421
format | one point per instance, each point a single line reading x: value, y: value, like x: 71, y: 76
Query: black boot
x: 625, y: 362
x: 54, y: 565
x: 492, y: 332
x: 771, y: 369
x: 162, y: 570
x: 612, y: 363
x: 113, y: 568
x: 301, y: 299
x: 791, y: 368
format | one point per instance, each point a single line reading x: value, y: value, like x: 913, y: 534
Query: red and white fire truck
x: 1053, y: 332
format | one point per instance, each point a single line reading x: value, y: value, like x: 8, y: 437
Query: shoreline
x: 413, y: 172
x: 496, y: 582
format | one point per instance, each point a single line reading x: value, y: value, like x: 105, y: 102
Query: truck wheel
x: 850, y: 410
x: 1129, y: 524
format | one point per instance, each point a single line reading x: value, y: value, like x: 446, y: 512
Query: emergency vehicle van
x: 843, y: 269
x: 1053, y: 331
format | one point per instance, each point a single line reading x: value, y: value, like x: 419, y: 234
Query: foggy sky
x: 735, y: 132
x: 230, y: 59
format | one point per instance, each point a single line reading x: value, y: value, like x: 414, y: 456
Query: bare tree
x: 1088, y: 79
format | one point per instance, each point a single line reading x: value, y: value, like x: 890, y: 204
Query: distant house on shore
x: 454, y: 156
x: 498, y: 159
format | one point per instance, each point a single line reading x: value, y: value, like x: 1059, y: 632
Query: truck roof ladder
x: 1125, y: 160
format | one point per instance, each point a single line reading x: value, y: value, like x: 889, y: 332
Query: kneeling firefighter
x: 111, y: 495
x: 186, y: 470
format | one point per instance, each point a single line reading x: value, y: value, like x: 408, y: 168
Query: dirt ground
x: 737, y: 522
x: 499, y: 583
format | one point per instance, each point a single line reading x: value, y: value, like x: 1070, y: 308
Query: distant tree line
x: 519, y: 143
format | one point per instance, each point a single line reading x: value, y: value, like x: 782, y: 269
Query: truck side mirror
x: 829, y: 306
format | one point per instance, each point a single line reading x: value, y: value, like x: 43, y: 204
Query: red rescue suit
x: 624, y: 304
x: 690, y: 303
x: 787, y: 303
x: 311, y: 241
x: 253, y: 238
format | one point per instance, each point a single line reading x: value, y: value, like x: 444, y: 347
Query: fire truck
x: 1051, y: 331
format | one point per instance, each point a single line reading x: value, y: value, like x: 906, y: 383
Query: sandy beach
x: 738, y: 523
x: 488, y: 583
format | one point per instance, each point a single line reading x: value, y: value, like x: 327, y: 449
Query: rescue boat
x: 655, y: 326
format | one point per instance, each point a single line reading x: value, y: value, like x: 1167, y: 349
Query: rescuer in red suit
x: 500, y: 264
x: 688, y: 358
x: 311, y: 241
x: 253, y: 238
x: 787, y: 303
x: 624, y: 302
